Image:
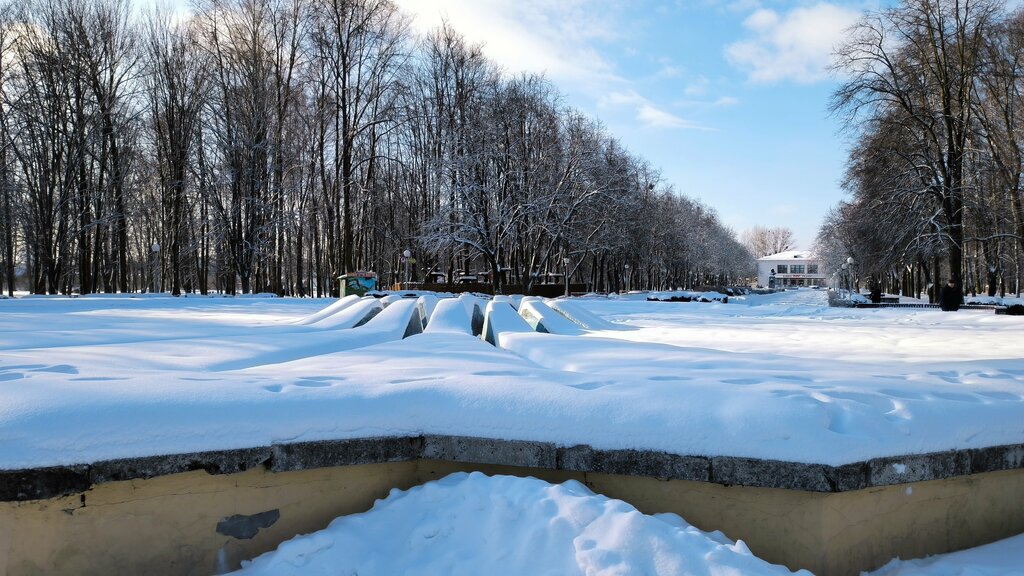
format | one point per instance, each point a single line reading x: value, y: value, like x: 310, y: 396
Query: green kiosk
x: 358, y: 283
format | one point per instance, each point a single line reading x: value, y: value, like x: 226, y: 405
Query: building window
x: 812, y: 268
x: 796, y: 269
x: 782, y: 269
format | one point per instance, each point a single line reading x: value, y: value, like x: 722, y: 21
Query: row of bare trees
x: 935, y: 89
x: 273, y: 145
x: 763, y: 241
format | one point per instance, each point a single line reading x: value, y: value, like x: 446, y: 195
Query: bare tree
x: 763, y: 241
x: 916, y: 65
x: 177, y: 83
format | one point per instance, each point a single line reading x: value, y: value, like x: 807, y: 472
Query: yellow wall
x: 167, y: 525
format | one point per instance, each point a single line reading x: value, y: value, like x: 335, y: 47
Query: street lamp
x: 627, y: 278
x: 406, y: 255
x: 844, y: 275
x: 972, y: 273
x: 849, y: 260
x: 155, y: 249
x: 565, y: 262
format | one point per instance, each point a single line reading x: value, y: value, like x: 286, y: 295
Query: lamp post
x: 627, y: 278
x: 972, y: 274
x: 849, y: 260
x: 565, y: 263
x: 845, y: 276
x: 406, y: 255
x: 155, y: 249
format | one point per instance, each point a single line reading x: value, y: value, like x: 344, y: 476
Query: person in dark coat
x: 876, y: 293
x: 950, y: 297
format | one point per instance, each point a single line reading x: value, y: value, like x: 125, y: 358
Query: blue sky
x: 728, y: 97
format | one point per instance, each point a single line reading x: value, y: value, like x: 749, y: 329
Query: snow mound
x: 513, y: 300
x: 450, y: 316
x: 478, y: 524
x: 329, y: 310
x: 402, y: 315
x: 543, y: 319
x: 580, y: 315
x: 351, y: 316
x: 501, y: 317
x: 475, y: 311
x: 426, y: 303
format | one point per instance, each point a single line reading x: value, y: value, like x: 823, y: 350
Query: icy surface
x: 474, y: 524
x: 780, y: 376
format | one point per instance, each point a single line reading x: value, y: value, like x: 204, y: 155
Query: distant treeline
x: 273, y: 145
x: 934, y: 90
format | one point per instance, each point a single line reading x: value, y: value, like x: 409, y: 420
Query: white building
x: 791, y: 268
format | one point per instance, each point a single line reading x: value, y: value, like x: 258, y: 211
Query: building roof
x: 789, y: 255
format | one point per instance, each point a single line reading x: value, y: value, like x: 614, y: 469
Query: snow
x: 330, y: 310
x: 502, y: 319
x: 779, y: 376
x: 349, y: 316
x: 580, y: 315
x: 1002, y: 558
x: 476, y: 524
x: 544, y: 319
x: 788, y: 255
x: 994, y: 300
x: 450, y: 316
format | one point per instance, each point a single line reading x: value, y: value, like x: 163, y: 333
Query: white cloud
x: 698, y: 87
x: 720, y: 102
x: 558, y: 38
x: 762, y: 20
x: 796, y: 45
x: 699, y: 93
x: 653, y: 117
x: 733, y: 5
x: 669, y: 71
x: 646, y: 113
x: 625, y: 98
x: 551, y: 37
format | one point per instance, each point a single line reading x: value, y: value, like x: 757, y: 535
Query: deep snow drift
x: 475, y: 524
x: 780, y: 376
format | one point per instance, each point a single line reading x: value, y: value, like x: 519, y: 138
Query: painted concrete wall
x: 765, y: 267
x: 196, y: 523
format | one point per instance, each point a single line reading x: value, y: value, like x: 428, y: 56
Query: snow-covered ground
x: 1002, y: 558
x: 475, y: 524
x: 780, y: 376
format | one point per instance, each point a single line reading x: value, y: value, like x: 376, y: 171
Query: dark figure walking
x: 950, y: 297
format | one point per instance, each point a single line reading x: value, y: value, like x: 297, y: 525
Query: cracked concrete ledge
x: 43, y: 483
